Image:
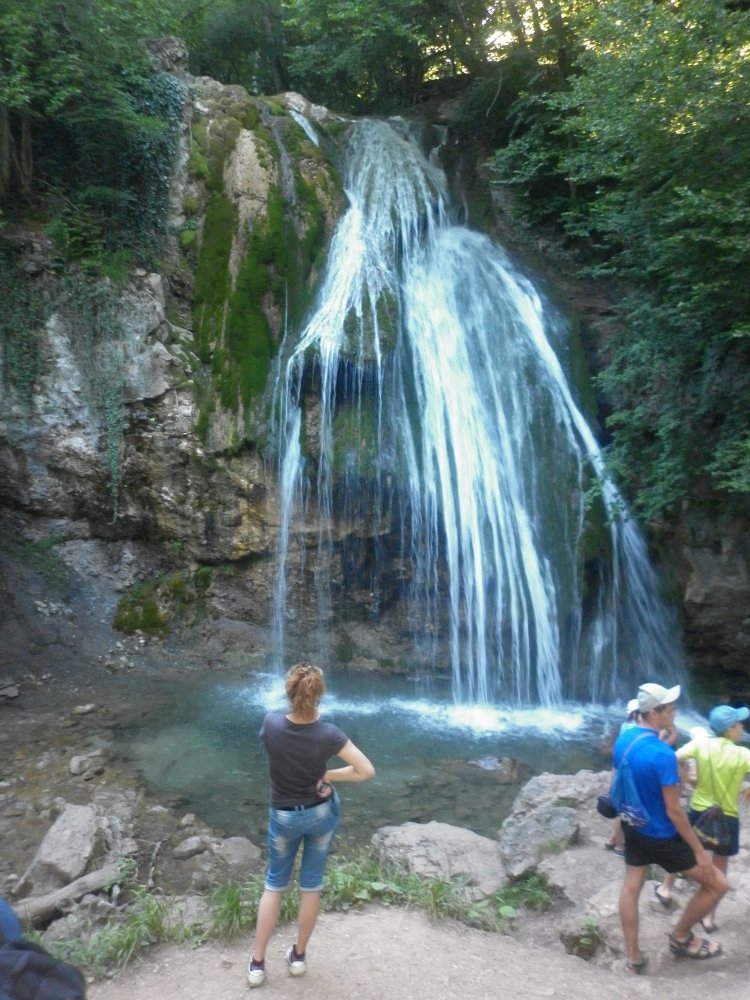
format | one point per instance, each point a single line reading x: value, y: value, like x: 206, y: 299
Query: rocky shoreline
x: 74, y: 827
x: 56, y: 729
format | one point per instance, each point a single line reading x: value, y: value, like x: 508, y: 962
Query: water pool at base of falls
x: 195, y: 743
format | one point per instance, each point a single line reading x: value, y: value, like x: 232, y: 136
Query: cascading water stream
x: 424, y: 407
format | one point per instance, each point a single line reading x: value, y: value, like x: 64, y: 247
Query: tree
x: 359, y: 56
x: 239, y: 41
x: 645, y: 148
x: 72, y: 64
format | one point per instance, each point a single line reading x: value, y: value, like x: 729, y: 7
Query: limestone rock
x: 239, y: 854
x: 168, y: 54
x: 571, y: 790
x: 64, y: 853
x: 87, y: 764
x: 524, y: 840
x: 547, y: 817
x: 189, y: 847
x: 440, y: 850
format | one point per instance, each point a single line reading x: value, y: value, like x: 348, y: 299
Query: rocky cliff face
x: 712, y: 564
x: 144, y: 450
x: 150, y: 441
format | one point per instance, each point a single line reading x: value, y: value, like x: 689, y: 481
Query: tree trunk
x: 517, y: 21
x: 26, y: 158
x: 40, y: 909
x: 5, y: 145
x: 270, y: 19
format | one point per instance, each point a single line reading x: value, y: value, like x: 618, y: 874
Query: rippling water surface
x: 195, y: 743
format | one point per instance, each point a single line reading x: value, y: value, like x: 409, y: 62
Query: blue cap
x: 723, y: 717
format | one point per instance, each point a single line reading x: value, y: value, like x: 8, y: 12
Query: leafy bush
x: 641, y: 153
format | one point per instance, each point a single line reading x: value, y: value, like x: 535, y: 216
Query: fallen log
x: 38, y: 909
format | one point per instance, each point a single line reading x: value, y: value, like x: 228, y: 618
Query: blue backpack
x: 28, y: 972
x: 624, y: 792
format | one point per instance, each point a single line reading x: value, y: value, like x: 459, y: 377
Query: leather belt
x: 310, y: 805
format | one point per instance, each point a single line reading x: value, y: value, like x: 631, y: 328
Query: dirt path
x: 391, y: 954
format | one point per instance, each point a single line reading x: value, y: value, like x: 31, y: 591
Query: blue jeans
x: 314, y: 829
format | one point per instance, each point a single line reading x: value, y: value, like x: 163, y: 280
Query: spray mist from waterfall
x: 424, y: 415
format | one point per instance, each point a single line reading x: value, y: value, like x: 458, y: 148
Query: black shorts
x: 673, y: 854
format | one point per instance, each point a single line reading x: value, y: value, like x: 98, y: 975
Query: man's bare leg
x: 712, y: 884
x: 629, y: 896
x: 722, y: 863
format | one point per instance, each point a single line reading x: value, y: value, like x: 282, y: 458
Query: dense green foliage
x: 642, y: 153
x: 85, y: 124
x: 22, y: 318
x: 353, y: 55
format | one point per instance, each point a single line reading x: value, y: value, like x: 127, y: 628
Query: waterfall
x: 427, y: 435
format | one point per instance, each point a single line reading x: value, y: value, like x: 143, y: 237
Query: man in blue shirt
x: 667, y: 839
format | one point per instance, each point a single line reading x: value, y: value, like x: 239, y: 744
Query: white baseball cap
x: 652, y: 695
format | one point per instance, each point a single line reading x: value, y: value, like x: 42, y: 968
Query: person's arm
x: 675, y: 812
x: 743, y: 795
x: 687, y: 772
x: 358, y: 767
x: 668, y: 735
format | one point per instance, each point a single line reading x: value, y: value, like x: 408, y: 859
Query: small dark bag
x: 713, y: 830
x: 605, y: 806
x: 712, y: 827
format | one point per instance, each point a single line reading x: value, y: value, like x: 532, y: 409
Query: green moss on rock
x: 188, y: 237
x: 355, y: 441
x: 212, y: 279
x: 138, y: 611
x: 154, y: 606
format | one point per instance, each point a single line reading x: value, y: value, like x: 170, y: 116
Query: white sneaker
x: 256, y: 976
x: 296, y: 964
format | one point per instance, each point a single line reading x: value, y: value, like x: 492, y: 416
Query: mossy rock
x: 188, y: 237
x: 153, y: 607
x: 345, y: 648
x: 275, y: 107
x: 197, y: 164
x: 355, y: 442
x: 139, y: 612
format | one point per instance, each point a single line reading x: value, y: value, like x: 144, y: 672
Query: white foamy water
x: 445, y: 422
x: 306, y: 126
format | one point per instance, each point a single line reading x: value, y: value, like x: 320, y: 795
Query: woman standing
x: 304, y: 809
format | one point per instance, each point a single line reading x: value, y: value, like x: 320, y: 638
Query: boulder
x: 64, y: 853
x: 526, y: 839
x: 573, y: 790
x: 549, y: 814
x: 440, y: 850
x: 239, y: 854
x: 190, y: 847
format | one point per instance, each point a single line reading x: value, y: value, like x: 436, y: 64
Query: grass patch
x: 150, y: 919
x: 231, y: 910
x: 39, y: 556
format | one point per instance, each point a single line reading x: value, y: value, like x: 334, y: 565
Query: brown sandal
x: 686, y: 949
x: 639, y: 967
